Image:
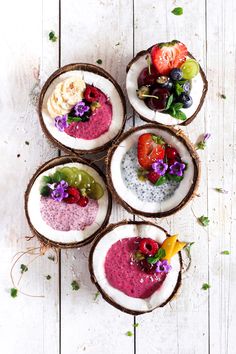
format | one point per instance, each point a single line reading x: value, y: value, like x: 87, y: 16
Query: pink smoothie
x: 126, y: 275
x: 97, y: 125
x: 65, y: 217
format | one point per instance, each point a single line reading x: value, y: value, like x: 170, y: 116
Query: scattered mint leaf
x: 129, y: 333
x: 179, y: 89
x: 135, y: 325
x: 188, y: 249
x: 201, y: 145
x: 23, y: 268
x: 169, y: 101
x: 177, y: 11
x: 96, y: 295
x: 57, y: 177
x: 160, y: 181
x: 47, y: 179
x: 52, y: 36
x: 204, y: 220
x: 223, y: 96
x: 99, y: 61
x: 205, y: 286
x: 48, y: 277
x: 158, y: 139
x: 51, y: 257
x: 75, y: 285
x: 221, y: 190
x: 157, y: 257
x: 175, y: 111
x: 71, y: 119
x: 14, y: 292
x: 225, y: 252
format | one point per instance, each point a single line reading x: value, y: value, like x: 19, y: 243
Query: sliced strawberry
x: 153, y: 176
x: 167, y: 56
x: 150, y: 149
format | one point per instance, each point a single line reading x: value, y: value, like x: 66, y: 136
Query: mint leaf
x: 75, y: 285
x: 157, y: 257
x: 23, y: 268
x: 135, y: 325
x: 161, y: 181
x: 52, y: 36
x: 45, y: 191
x: 57, y: 177
x: 204, y: 220
x: 180, y: 115
x: 96, y: 295
x: 47, y: 179
x: 71, y: 119
x: 221, y: 190
x: 177, y: 106
x: 201, y: 145
x: 174, y: 177
x: 129, y: 334
x: 225, y: 252
x: 205, y: 286
x: 169, y: 101
x: 14, y: 292
x: 177, y: 11
x: 188, y: 248
x: 179, y: 89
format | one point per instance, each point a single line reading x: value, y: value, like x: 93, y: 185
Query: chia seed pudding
x: 145, y: 191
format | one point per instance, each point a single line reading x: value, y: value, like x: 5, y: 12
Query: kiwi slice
x: 96, y: 191
x: 68, y: 175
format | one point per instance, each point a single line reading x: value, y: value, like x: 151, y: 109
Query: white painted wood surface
x: 67, y: 322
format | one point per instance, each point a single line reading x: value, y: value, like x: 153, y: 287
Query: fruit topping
x: 150, y: 149
x: 148, y: 246
x: 176, y: 74
x: 190, y: 69
x: 153, y: 177
x: 165, y: 82
x: 168, y: 245
x: 83, y: 201
x: 147, y: 267
x: 186, y: 86
x: 147, y: 76
x: 178, y: 247
x: 171, y: 153
x: 167, y: 56
x: 186, y: 100
x: 91, y: 94
x: 157, y: 100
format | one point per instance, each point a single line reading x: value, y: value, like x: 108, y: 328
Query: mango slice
x: 178, y: 247
x: 168, y: 245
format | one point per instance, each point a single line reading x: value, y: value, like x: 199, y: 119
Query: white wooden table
x: 69, y: 322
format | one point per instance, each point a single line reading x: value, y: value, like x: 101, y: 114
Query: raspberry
x: 153, y: 176
x: 148, y: 246
x: 74, y: 195
x: 70, y: 200
x: 83, y: 201
x: 91, y: 94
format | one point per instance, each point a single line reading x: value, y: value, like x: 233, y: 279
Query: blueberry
x: 176, y: 74
x: 187, y: 86
x: 165, y: 82
x: 186, y: 100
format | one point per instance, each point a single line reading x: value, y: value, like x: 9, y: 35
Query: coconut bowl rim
x: 179, y: 134
x: 203, y: 96
x: 85, y: 67
x: 54, y: 163
x: 108, y: 298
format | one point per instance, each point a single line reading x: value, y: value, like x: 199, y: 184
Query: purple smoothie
x: 126, y: 275
x: 65, y: 217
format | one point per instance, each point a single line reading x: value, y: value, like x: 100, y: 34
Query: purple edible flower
x: 80, y: 108
x: 60, y: 123
x: 59, y: 193
x: 206, y: 137
x: 177, y: 169
x: 160, y: 167
x: 163, y: 266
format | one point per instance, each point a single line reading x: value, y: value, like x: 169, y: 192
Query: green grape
x: 190, y: 69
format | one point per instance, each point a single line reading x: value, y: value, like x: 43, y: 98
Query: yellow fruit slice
x: 178, y: 247
x: 168, y: 245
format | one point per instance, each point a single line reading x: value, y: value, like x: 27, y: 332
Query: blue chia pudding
x: 144, y: 190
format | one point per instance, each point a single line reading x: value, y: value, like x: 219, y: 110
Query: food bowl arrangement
x: 166, y: 84
x: 82, y: 108
x: 153, y: 170
x: 67, y: 202
x: 136, y: 266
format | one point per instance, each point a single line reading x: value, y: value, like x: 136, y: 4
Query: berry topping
x: 187, y: 86
x: 186, y: 100
x: 148, y: 246
x: 157, y: 101
x: 83, y: 201
x: 153, y: 176
x: 176, y: 74
x: 167, y: 56
x: 91, y: 94
x: 73, y: 197
x: 171, y: 153
x: 150, y: 149
x: 147, y: 76
x: 147, y: 267
x: 70, y: 200
x: 165, y: 82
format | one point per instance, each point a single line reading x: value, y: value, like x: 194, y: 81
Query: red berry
x: 150, y: 149
x: 153, y: 176
x: 70, y: 200
x: 74, y: 195
x: 83, y: 202
x: 148, y: 246
x: 91, y: 94
x: 171, y: 153
x: 147, y: 267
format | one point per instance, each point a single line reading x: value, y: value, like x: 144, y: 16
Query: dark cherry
x: 158, y: 103
x: 147, y: 267
x: 171, y: 153
x: 147, y: 79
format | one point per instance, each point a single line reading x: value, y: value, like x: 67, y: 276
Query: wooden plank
x: 94, y: 30
x: 169, y: 329
x: 31, y: 322
x: 221, y: 152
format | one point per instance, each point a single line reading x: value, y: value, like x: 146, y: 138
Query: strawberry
x: 150, y: 149
x: 167, y: 56
x: 153, y: 176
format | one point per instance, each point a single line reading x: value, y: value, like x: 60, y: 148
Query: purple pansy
x: 80, y: 108
x: 163, y: 266
x: 160, y: 167
x: 206, y: 137
x: 59, y: 191
x: 177, y: 169
x: 60, y: 123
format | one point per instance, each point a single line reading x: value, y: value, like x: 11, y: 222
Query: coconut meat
x: 129, y: 196
x: 33, y: 207
x: 140, y: 106
x: 107, y: 87
x: 98, y: 261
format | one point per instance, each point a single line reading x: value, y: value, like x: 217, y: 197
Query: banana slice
x: 54, y: 110
x: 72, y: 90
x: 51, y: 111
x: 58, y: 98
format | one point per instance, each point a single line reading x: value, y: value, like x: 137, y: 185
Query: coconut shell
x: 178, y: 133
x: 85, y: 67
x: 46, y: 166
x: 204, y: 92
x: 103, y: 293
